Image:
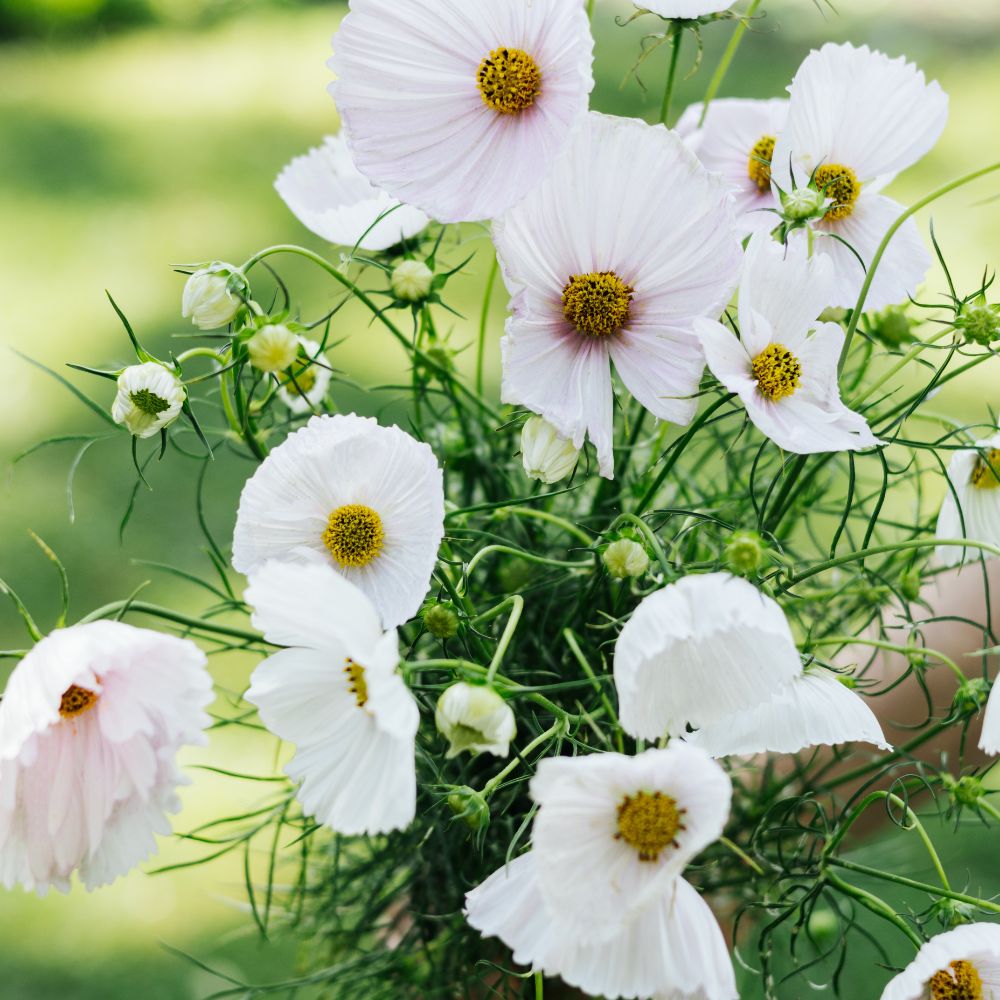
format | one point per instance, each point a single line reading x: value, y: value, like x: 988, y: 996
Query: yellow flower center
x: 597, y: 303
x: 777, y: 371
x: 509, y: 80
x: 75, y: 701
x: 649, y: 822
x: 354, y: 535
x: 840, y: 184
x: 960, y: 981
x: 304, y: 382
x: 759, y: 167
x: 984, y: 473
x: 356, y: 681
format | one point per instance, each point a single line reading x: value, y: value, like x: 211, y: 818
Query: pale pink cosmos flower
x: 90, y: 725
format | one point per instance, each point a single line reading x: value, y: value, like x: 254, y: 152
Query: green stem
x: 544, y: 515
x: 899, y: 366
x: 585, y: 666
x: 521, y: 554
x: 848, y: 640
x: 557, y: 729
x: 668, y: 93
x: 741, y: 854
x: 516, y: 603
x: 484, y: 320
x: 893, y: 229
x: 141, y: 607
x: 877, y: 906
x: 539, y: 981
x: 727, y: 58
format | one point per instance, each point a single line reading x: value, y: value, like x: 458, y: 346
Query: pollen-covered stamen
x: 509, y: 80
x: 354, y: 535
x: 148, y: 402
x: 985, y: 471
x: 777, y: 371
x: 960, y: 981
x: 356, y: 683
x: 759, y: 167
x: 75, y: 701
x: 649, y: 822
x: 597, y: 303
x: 841, y: 185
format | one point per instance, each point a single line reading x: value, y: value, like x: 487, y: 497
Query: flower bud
x: 207, y: 299
x: 273, y: 348
x: 625, y: 558
x: 824, y: 925
x: 474, y: 717
x: 892, y: 327
x: 411, y: 281
x: 910, y: 583
x: 803, y: 203
x: 150, y: 397
x: 441, y: 621
x: 952, y: 913
x: 971, y: 695
x: 966, y: 791
x: 745, y: 552
x: 980, y: 324
x: 546, y: 454
x: 469, y: 805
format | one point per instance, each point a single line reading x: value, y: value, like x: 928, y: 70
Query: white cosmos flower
x: 989, y: 739
x: 369, y: 499
x: 714, y: 652
x: 330, y: 196
x: 308, y: 389
x: 784, y: 364
x: 335, y: 694
x: 460, y: 108
x: 964, y: 962
x: 975, y: 514
x: 150, y: 397
x: 684, y: 8
x: 815, y: 709
x: 736, y: 142
x: 90, y: 725
x: 857, y: 118
x: 612, y: 831
x: 669, y: 949
x: 599, y: 277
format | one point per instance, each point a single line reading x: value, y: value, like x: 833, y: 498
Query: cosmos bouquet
x: 582, y: 689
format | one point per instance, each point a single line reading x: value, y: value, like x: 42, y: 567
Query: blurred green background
x: 135, y: 134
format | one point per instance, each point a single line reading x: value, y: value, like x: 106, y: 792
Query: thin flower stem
x: 201, y: 352
x: 539, y: 980
x: 727, y: 57
x: 650, y: 536
x: 741, y: 854
x: 879, y: 253
x: 988, y: 808
x: 556, y: 729
x: 877, y: 906
x: 668, y: 92
x: 590, y: 17
x: 585, y: 666
x: 520, y: 553
x: 544, y: 515
x: 899, y: 366
x: 848, y: 640
x: 909, y: 883
x: 142, y: 608
x: 516, y: 603
x: 484, y: 316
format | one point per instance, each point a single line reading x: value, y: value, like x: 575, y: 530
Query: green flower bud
x: 951, y: 913
x: 411, y: 281
x: 892, y: 327
x: 625, y: 558
x: 972, y: 695
x: 469, y: 806
x: 441, y: 620
x: 910, y: 583
x: 980, y: 324
x: 966, y: 791
x: 746, y: 552
x: 474, y: 717
x: 823, y: 926
x: 803, y: 203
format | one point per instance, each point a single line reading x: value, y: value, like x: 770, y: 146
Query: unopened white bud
x: 546, y: 454
x: 475, y: 718
x: 273, y: 348
x: 150, y: 397
x: 411, y: 281
x: 207, y: 300
x: 803, y: 203
x: 625, y: 558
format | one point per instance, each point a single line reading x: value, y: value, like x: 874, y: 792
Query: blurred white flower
x: 960, y: 964
x: 625, y: 558
x: 207, y: 300
x: 90, y: 725
x: 308, y: 388
x: 368, y: 499
x: 411, y: 281
x: 736, y: 142
x: 601, y: 885
x: 149, y: 398
x: 474, y: 717
x: 784, y: 364
x: 971, y: 506
x: 594, y: 282
x: 989, y: 739
x: 273, y: 348
x: 714, y: 652
x: 856, y: 118
x: 329, y: 195
x: 461, y: 109
x: 545, y: 453
x: 684, y: 8
x: 335, y: 694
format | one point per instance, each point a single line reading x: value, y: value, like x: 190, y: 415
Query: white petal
x: 989, y: 741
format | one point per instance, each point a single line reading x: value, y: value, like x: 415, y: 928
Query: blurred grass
x: 124, y: 154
